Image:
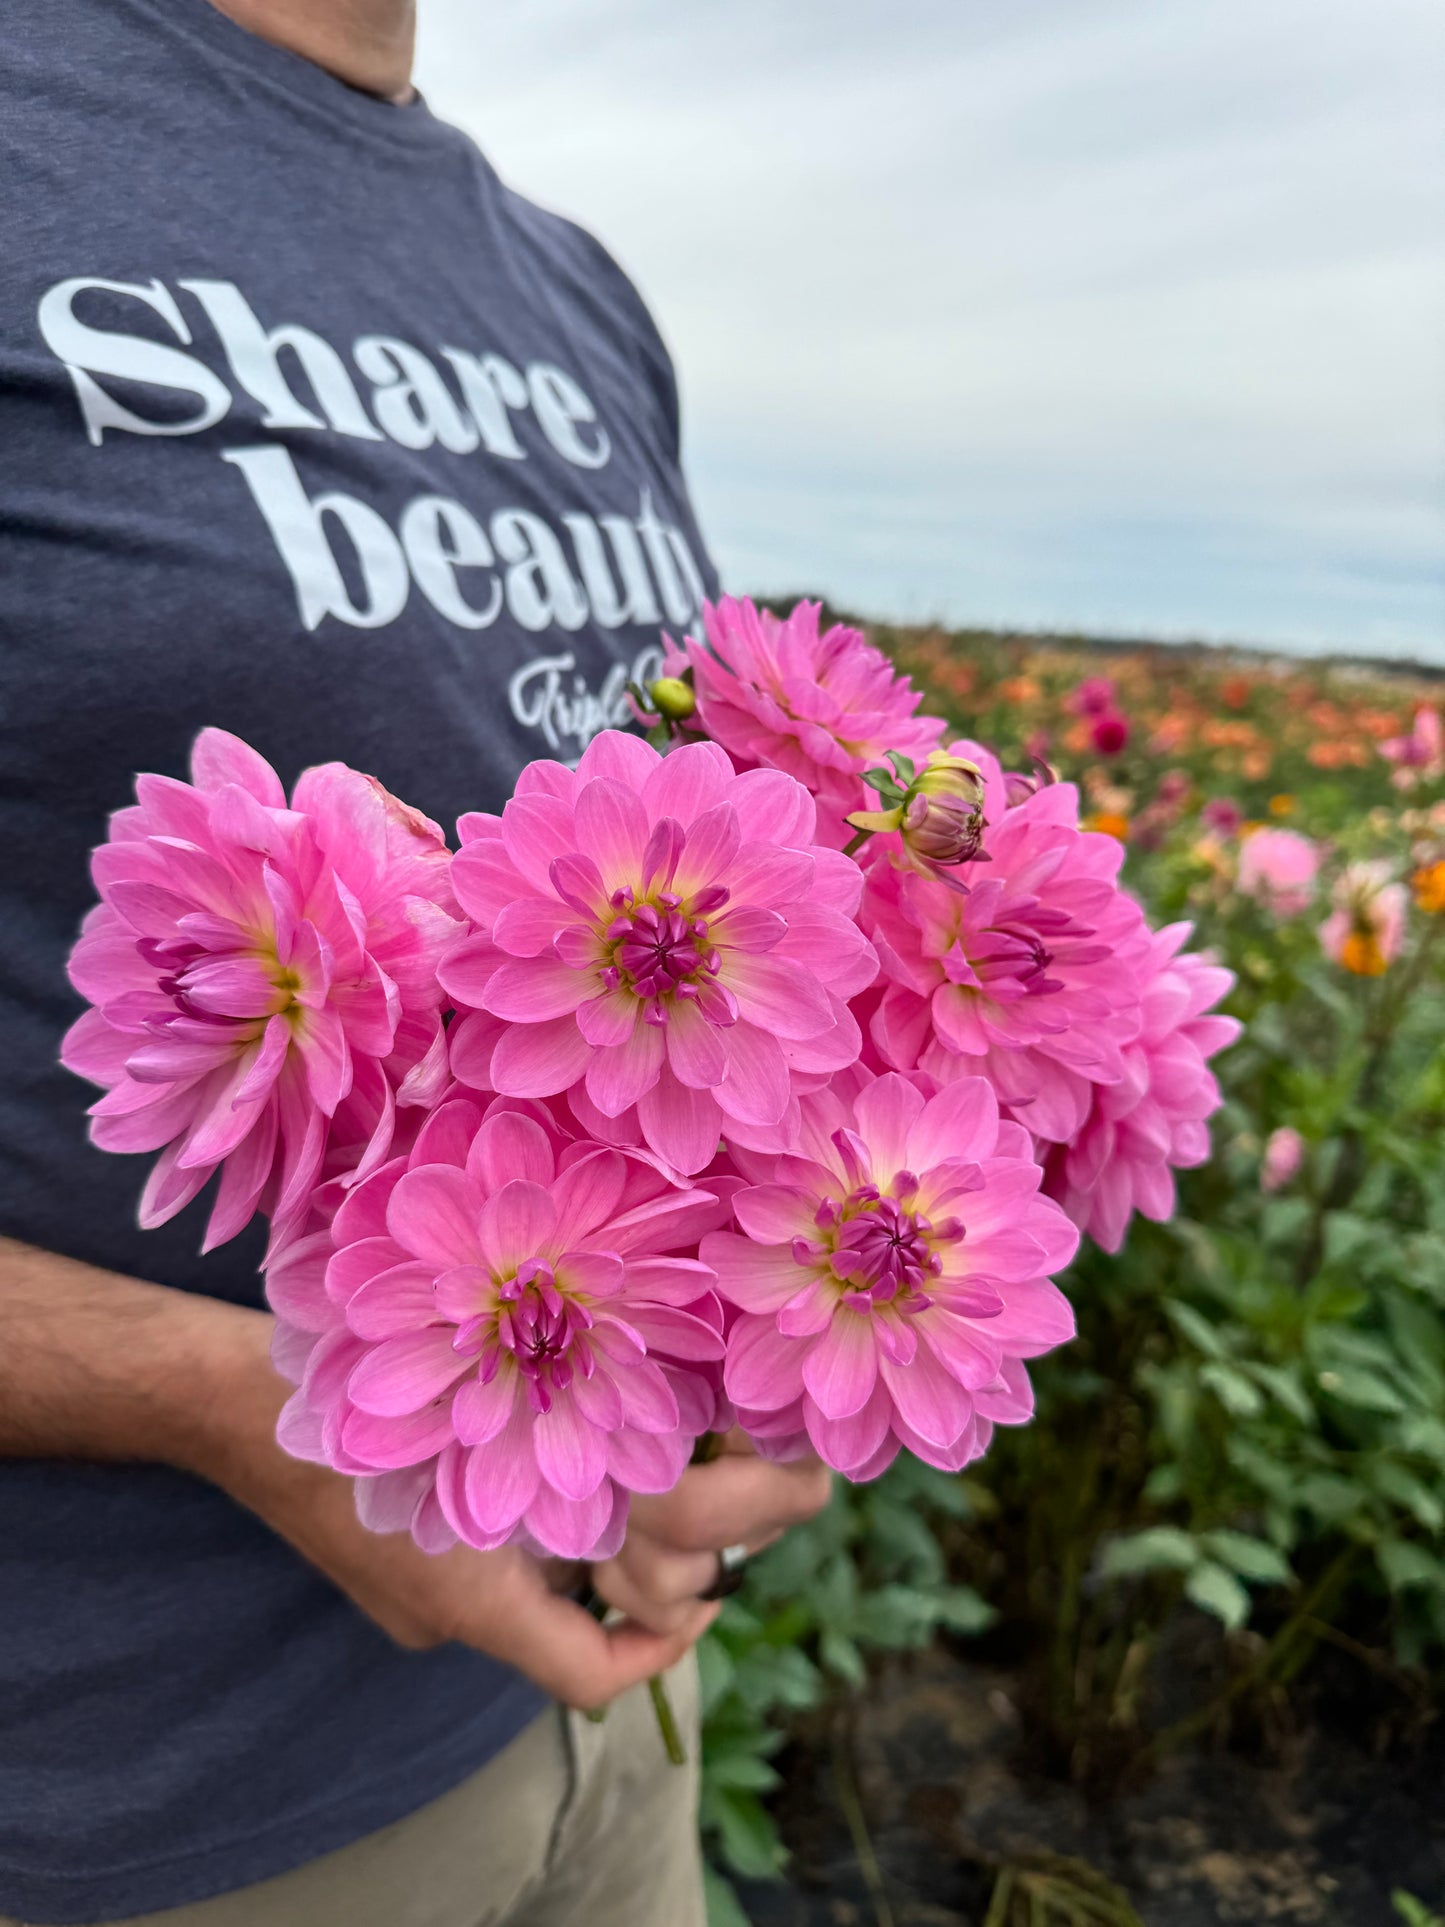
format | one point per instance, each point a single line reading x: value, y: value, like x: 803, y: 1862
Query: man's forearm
x: 94, y: 1365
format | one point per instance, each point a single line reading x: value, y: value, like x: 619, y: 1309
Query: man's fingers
x: 654, y: 1585
x: 735, y: 1500
x: 585, y: 1665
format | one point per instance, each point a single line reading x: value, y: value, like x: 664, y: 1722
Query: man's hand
x: 97, y: 1366
x: 673, y: 1539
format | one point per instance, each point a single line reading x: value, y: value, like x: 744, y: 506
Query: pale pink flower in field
x: 1278, y: 869
x: 1420, y: 755
x: 1030, y: 976
x: 823, y: 706
x: 1153, y: 1122
x: 1365, y: 931
x: 892, y: 1272
x: 499, y: 1334
x: 1284, y: 1152
x: 263, y: 979
x: 661, y: 938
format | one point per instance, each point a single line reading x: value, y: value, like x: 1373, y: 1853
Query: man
x: 312, y: 430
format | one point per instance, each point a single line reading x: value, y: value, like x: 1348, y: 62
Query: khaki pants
x: 575, y: 1824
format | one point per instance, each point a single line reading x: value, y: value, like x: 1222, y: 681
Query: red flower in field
x: 1110, y: 733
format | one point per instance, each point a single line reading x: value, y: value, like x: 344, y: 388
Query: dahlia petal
x: 401, y: 1440
x: 515, y: 1224
x: 534, y: 828
x: 539, y: 1060
x: 575, y: 1528
x: 527, y: 925
x: 571, y: 1452
x: 776, y: 993
x: 432, y: 1214
x: 746, y: 927
x: 647, y: 1461
x: 849, y: 1443
x: 588, y: 1198
x: 610, y: 1018
x: 694, y: 1048
x: 756, y: 1088
x: 841, y: 1367
x: 534, y: 990
x: 501, y: 1478
x: 688, y: 782
x: 621, y: 756
x: 401, y: 1375
x: 619, y: 1074
x: 681, y: 1125
x: 775, y: 1214
x: 218, y: 758
x: 929, y: 1399
x: 399, y: 1299
x: 479, y: 1412
x: 763, y: 1369
x: 649, y: 1403
x: 711, y: 844
x: 509, y: 1145
x: 612, y: 829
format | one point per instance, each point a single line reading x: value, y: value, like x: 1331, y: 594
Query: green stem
x: 666, y: 1720
x: 856, y: 842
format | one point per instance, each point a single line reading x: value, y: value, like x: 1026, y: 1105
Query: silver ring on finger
x: 731, y: 1564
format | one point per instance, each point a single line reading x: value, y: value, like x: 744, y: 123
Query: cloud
x: 1123, y: 314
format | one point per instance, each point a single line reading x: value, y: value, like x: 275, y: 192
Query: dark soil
x: 1317, y: 1829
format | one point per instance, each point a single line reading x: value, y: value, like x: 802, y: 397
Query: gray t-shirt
x: 313, y: 430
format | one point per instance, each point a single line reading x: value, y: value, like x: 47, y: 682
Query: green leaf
x: 839, y: 1654
x: 1405, y: 1563
x: 1195, y: 1327
x: 903, y: 764
x: 749, y: 1771
x: 1158, y: 1549
x: 1252, y: 1559
x: 750, y: 1842
x: 1402, y: 1487
x: 724, y: 1909
x: 1216, y: 1591
x: 1233, y: 1390
x: 962, y: 1610
x: 1283, y: 1383
x: 1367, y: 1391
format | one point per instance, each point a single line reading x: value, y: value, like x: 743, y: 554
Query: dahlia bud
x: 937, y: 811
x: 943, y: 814
x: 673, y: 698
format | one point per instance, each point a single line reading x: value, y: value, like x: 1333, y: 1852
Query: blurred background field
x: 1169, y: 1655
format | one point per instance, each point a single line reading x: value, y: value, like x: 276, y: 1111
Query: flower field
x: 1233, y: 1495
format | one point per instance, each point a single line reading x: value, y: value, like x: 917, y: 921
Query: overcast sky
x: 1122, y: 315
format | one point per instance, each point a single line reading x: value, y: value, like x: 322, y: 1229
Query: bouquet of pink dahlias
x: 652, y: 1110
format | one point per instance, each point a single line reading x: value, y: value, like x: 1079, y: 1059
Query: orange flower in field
x: 1255, y: 764
x: 1281, y: 806
x: 1076, y: 737
x: 1361, y: 953
x: 1429, y: 887
x: 1235, y: 691
x: 1019, y: 689
x: 1110, y: 823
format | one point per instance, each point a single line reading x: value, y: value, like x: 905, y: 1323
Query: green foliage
x: 1415, y: 1913
x: 1251, y: 1423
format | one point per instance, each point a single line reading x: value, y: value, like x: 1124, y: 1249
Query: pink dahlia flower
x: 1094, y: 696
x: 1152, y: 1123
x: 1278, y: 869
x: 1030, y: 976
x: 497, y: 1335
x: 263, y: 978
x: 1365, y: 931
x: 821, y: 706
x: 891, y: 1273
x: 659, y: 937
x: 1420, y: 755
x: 1284, y: 1152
